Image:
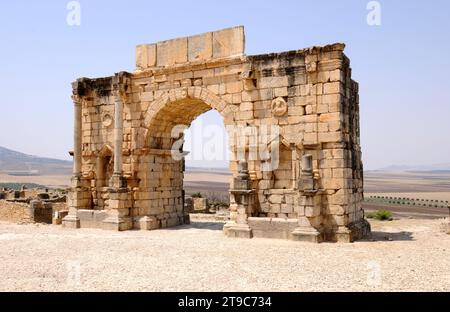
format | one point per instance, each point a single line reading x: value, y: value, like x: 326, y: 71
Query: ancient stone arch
x: 294, y: 120
x: 180, y: 106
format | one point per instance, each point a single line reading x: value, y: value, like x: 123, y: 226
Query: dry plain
x: 433, y: 185
x: 56, y: 181
x: 428, y: 185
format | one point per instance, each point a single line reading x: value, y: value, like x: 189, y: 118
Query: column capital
x: 76, y: 100
x: 120, y: 95
x: 120, y: 84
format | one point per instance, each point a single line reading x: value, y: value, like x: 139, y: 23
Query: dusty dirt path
x: 403, y: 255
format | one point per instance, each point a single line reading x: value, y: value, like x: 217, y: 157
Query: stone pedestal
x: 116, y: 223
x: 305, y: 232
x: 79, y: 197
x: 344, y: 235
x: 241, y: 203
x: 119, y: 208
x: 117, y: 182
x: 307, y: 235
x: 350, y: 233
x: 145, y: 223
x: 240, y: 208
x: 71, y: 221
x: 236, y: 230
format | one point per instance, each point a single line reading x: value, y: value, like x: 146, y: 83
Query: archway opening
x: 207, y: 163
x: 187, y: 166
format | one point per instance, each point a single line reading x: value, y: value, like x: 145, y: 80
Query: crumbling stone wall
x: 31, y: 205
x: 124, y: 135
x: 13, y: 211
x: 20, y: 212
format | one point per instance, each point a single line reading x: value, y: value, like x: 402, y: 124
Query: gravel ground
x: 403, y: 255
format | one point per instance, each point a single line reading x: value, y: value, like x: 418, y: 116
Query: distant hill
x: 433, y: 167
x: 224, y: 171
x: 16, y: 163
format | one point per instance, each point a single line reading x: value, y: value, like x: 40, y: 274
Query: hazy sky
x: 403, y: 65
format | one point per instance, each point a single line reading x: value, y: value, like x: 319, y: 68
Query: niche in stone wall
x: 105, y: 166
x: 282, y: 175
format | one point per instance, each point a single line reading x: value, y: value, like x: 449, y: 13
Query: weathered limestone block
x: 212, y: 45
x: 146, y: 223
x: 228, y: 42
x: 273, y: 82
x: 272, y: 227
x: 171, y: 52
x: 145, y: 56
x: 200, y: 204
x: 200, y: 47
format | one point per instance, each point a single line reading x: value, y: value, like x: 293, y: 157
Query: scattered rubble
x: 33, y: 205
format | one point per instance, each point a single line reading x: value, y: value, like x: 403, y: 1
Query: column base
x: 307, y: 234
x: 117, y: 181
x: 114, y: 223
x: 344, y: 235
x: 352, y: 232
x: 146, y: 223
x: 71, y: 222
x: 236, y: 230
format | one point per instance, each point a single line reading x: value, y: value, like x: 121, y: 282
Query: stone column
x: 79, y: 195
x: 117, y: 180
x: 77, y: 137
x: 118, y: 135
x: 120, y: 197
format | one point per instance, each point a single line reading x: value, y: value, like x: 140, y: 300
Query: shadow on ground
x: 213, y: 226
x: 378, y: 236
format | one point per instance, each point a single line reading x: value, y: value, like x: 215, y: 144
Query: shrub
x: 382, y: 215
x: 219, y: 205
x: 18, y: 186
x: 196, y: 195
